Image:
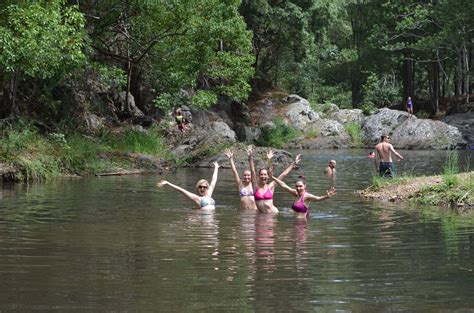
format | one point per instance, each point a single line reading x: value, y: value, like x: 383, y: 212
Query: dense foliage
x: 356, y: 53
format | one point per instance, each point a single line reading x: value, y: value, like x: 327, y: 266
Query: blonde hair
x: 201, y: 181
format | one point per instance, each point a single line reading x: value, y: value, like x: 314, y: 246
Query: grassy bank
x: 38, y: 155
x: 451, y: 190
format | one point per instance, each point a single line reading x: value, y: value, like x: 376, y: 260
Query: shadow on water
x: 121, y: 244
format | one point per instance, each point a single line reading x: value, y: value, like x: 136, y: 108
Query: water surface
x: 121, y: 244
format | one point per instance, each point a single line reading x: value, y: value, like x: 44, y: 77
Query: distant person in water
x: 409, y: 106
x: 331, y: 169
x: 303, y: 198
x: 247, y: 200
x: 383, y: 155
x: 371, y: 155
x: 263, y: 189
x: 203, y: 198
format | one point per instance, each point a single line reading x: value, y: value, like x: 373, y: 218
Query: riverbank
x: 455, y: 191
x: 29, y: 154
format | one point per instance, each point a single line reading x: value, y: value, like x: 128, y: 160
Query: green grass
x: 355, y: 132
x: 277, y: 135
x: 150, y: 142
x: 379, y: 182
x: 39, y: 157
x: 451, y: 168
x: 458, y: 195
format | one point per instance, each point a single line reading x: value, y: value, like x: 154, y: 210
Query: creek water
x: 121, y: 244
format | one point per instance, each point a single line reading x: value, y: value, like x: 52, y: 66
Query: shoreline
x: 454, y: 191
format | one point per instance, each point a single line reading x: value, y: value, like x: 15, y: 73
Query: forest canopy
x: 351, y: 52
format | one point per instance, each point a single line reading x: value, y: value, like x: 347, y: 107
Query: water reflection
x: 265, y: 240
x: 121, y: 244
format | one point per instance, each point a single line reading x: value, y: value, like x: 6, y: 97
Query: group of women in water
x: 256, y: 192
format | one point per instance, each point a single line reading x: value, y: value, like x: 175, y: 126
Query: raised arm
x: 329, y: 193
x: 186, y: 193
x: 283, y: 185
x: 252, y: 166
x: 230, y: 155
x: 214, y: 179
x: 290, y: 167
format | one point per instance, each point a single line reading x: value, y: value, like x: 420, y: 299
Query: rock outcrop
x: 410, y: 132
x: 465, y: 123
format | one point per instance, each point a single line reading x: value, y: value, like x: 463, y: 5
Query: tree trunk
x: 465, y: 71
x: 435, y: 89
x: 408, y: 75
x: 459, y: 84
x: 11, y: 98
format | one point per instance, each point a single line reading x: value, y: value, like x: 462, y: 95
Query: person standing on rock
x: 179, y: 118
x: 263, y: 189
x: 410, y: 107
x: 203, y: 199
x: 247, y: 200
x: 383, y: 156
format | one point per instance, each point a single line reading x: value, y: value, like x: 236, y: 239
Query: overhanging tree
x: 41, y: 41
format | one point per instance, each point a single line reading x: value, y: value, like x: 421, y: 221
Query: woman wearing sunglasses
x: 203, y: 198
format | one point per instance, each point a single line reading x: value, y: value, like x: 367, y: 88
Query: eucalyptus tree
x: 436, y: 35
x: 167, y: 46
x: 42, y: 40
x: 282, y: 39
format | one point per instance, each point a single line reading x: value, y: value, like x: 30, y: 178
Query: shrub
x: 368, y: 108
x: 451, y: 168
x: 383, y: 91
x: 355, y: 132
x: 330, y: 94
x: 277, y: 135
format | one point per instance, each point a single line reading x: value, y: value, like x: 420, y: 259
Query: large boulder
x: 299, y: 113
x: 465, y: 123
x: 201, y: 142
x: 127, y: 108
x: 410, y: 132
x: 346, y: 116
x: 246, y: 133
x: 426, y: 134
x: 383, y: 121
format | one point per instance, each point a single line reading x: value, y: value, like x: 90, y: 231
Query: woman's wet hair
x: 262, y: 169
x: 246, y: 170
x: 302, y: 179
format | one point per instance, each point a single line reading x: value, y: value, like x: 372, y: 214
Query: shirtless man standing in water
x: 383, y: 153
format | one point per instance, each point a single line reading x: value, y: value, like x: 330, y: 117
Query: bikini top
x: 267, y: 195
x: 299, y: 206
x: 244, y: 192
x: 205, y: 201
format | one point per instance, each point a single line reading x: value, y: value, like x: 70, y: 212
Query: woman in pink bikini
x: 301, y: 204
x: 247, y: 200
x: 263, y: 189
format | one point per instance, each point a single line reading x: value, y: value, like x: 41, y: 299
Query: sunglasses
x: 203, y: 187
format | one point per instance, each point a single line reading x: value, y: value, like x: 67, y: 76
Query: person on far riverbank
x: 203, y: 198
x: 263, y: 189
x: 383, y: 156
x: 246, y: 191
x: 301, y: 205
